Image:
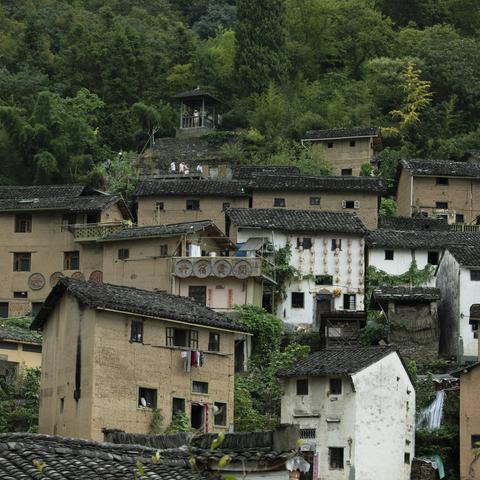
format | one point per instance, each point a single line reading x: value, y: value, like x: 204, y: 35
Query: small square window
x: 406, y: 458
x: 314, y: 200
x: 36, y: 307
x: 347, y: 172
x: 302, y: 386
x: 199, y: 387
x: 353, y: 143
x: 432, y: 258
x: 71, y: 260
x: 22, y: 261
x: 389, y: 254
x: 349, y: 302
x: 123, y: 253
x: 305, y: 243
x: 323, y: 280
x: 475, y: 441
x: 298, y: 300
x: 441, y: 205
x: 20, y: 294
x: 220, y: 413
x: 147, y: 397
x: 193, y: 205
x: 136, y: 331
x: 178, y: 405
x: 3, y: 309
x: 442, y: 181
x: 279, y: 202
x: 475, y: 275
x: 349, y: 204
x: 164, y: 250
x: 335, y: 386
x: 28, y: 347
x: 459, y: 218
x: 213, y: 342
x: 225, y: 206
x: 93, y: 218
x: 330, y: 145
x: 23, y: 223
x: 335, y: 458
x: 336, y: 244
x: 160, y: 206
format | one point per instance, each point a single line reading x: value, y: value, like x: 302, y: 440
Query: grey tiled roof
x: 253, y: 171
x: 342, y: 133
x: 441, y: 168
x: 158, y: 230
x: 466, y: 255
x: 406, y: 294
x: 215, y: 188
x: 68, y: 458
x: 134, y: 300
x: 337, y: 361
x: 419, y: 239
x: 308, y: 183
x: 414, y: 223
x: 41, y: 191
x: 17, y: 334
x: 289, y: 220
x: 91, y: 203
x: 197, y: 92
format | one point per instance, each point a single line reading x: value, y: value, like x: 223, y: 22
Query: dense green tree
x: 261, y: 54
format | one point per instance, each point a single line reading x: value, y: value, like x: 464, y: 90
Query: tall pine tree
x: 261, y: 55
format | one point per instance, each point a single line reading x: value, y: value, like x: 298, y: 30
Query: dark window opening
x: 389, y: 254
x: 8, y: 345
x: 352, y: 143
x: 432, y: 258
x: 213, y: 342
x: 199, y: 387
x: 349, y: 204
x: 136, y: 331
x: 67, y: 220
x: 62, y: 404
x: 198, y: 293
x: 323, y: 280
x: 330, y: 145
x: 197, y: 416
x: 220, y: 413
x: 178, y: 405
x: 475, y: 441
x: 305, y: 243
x: 20, y: 294
x: 23, y: 223
x: 93, y: 218
x: 335, y: 386
x: 3, y: 309
x: 336, y: 244
x: 459, y: 218
x: 308, y: 433
x: 475, y: 275
x: 22, y: 262
x: 441, y: 205
x: 71, y: 260
x: 279, y: 202
x: 347, y: 172
x: 314, y: 200
x: 239, y: 356
x: 36, y: 307
x: 193, y: 205
x: 225, y: 206
x: 160, y: 206
x: 147, y: 397
x: 335, y: 458
x: 302, y: 386
x: 298, y: 300
x: 123, y: 253
x: 406, y: 458
x: 349, y: 302
x: 164, y: 250
x: 27, y: 347
x: 178, y: 337
x: 442, y: 181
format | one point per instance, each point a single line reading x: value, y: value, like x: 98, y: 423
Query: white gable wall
x: 347, y: 268
x: 469, y: 294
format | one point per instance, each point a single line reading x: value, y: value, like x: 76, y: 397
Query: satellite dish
x: 143, y: 402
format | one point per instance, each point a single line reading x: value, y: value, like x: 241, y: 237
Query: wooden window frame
x: 23, y: 223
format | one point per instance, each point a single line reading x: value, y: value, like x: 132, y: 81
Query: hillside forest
x: 82, y: 80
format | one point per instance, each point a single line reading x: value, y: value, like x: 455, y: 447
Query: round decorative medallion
x: 202, y: 268
x: 242, y: 269
x: 78, y: 276
x: 36, y: 281
x: 222, y: 268
x: 55, y: 277
x: 183, y: 268
x: 96, y: 276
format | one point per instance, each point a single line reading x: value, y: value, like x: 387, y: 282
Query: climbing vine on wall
x: 285, y: 273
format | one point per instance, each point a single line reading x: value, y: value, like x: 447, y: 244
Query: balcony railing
x: 461, y: 227
x: 90, y: 232
x: 222, y: 267
x: 197, y: 122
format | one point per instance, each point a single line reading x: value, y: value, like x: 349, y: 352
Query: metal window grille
x: 308, y: 433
